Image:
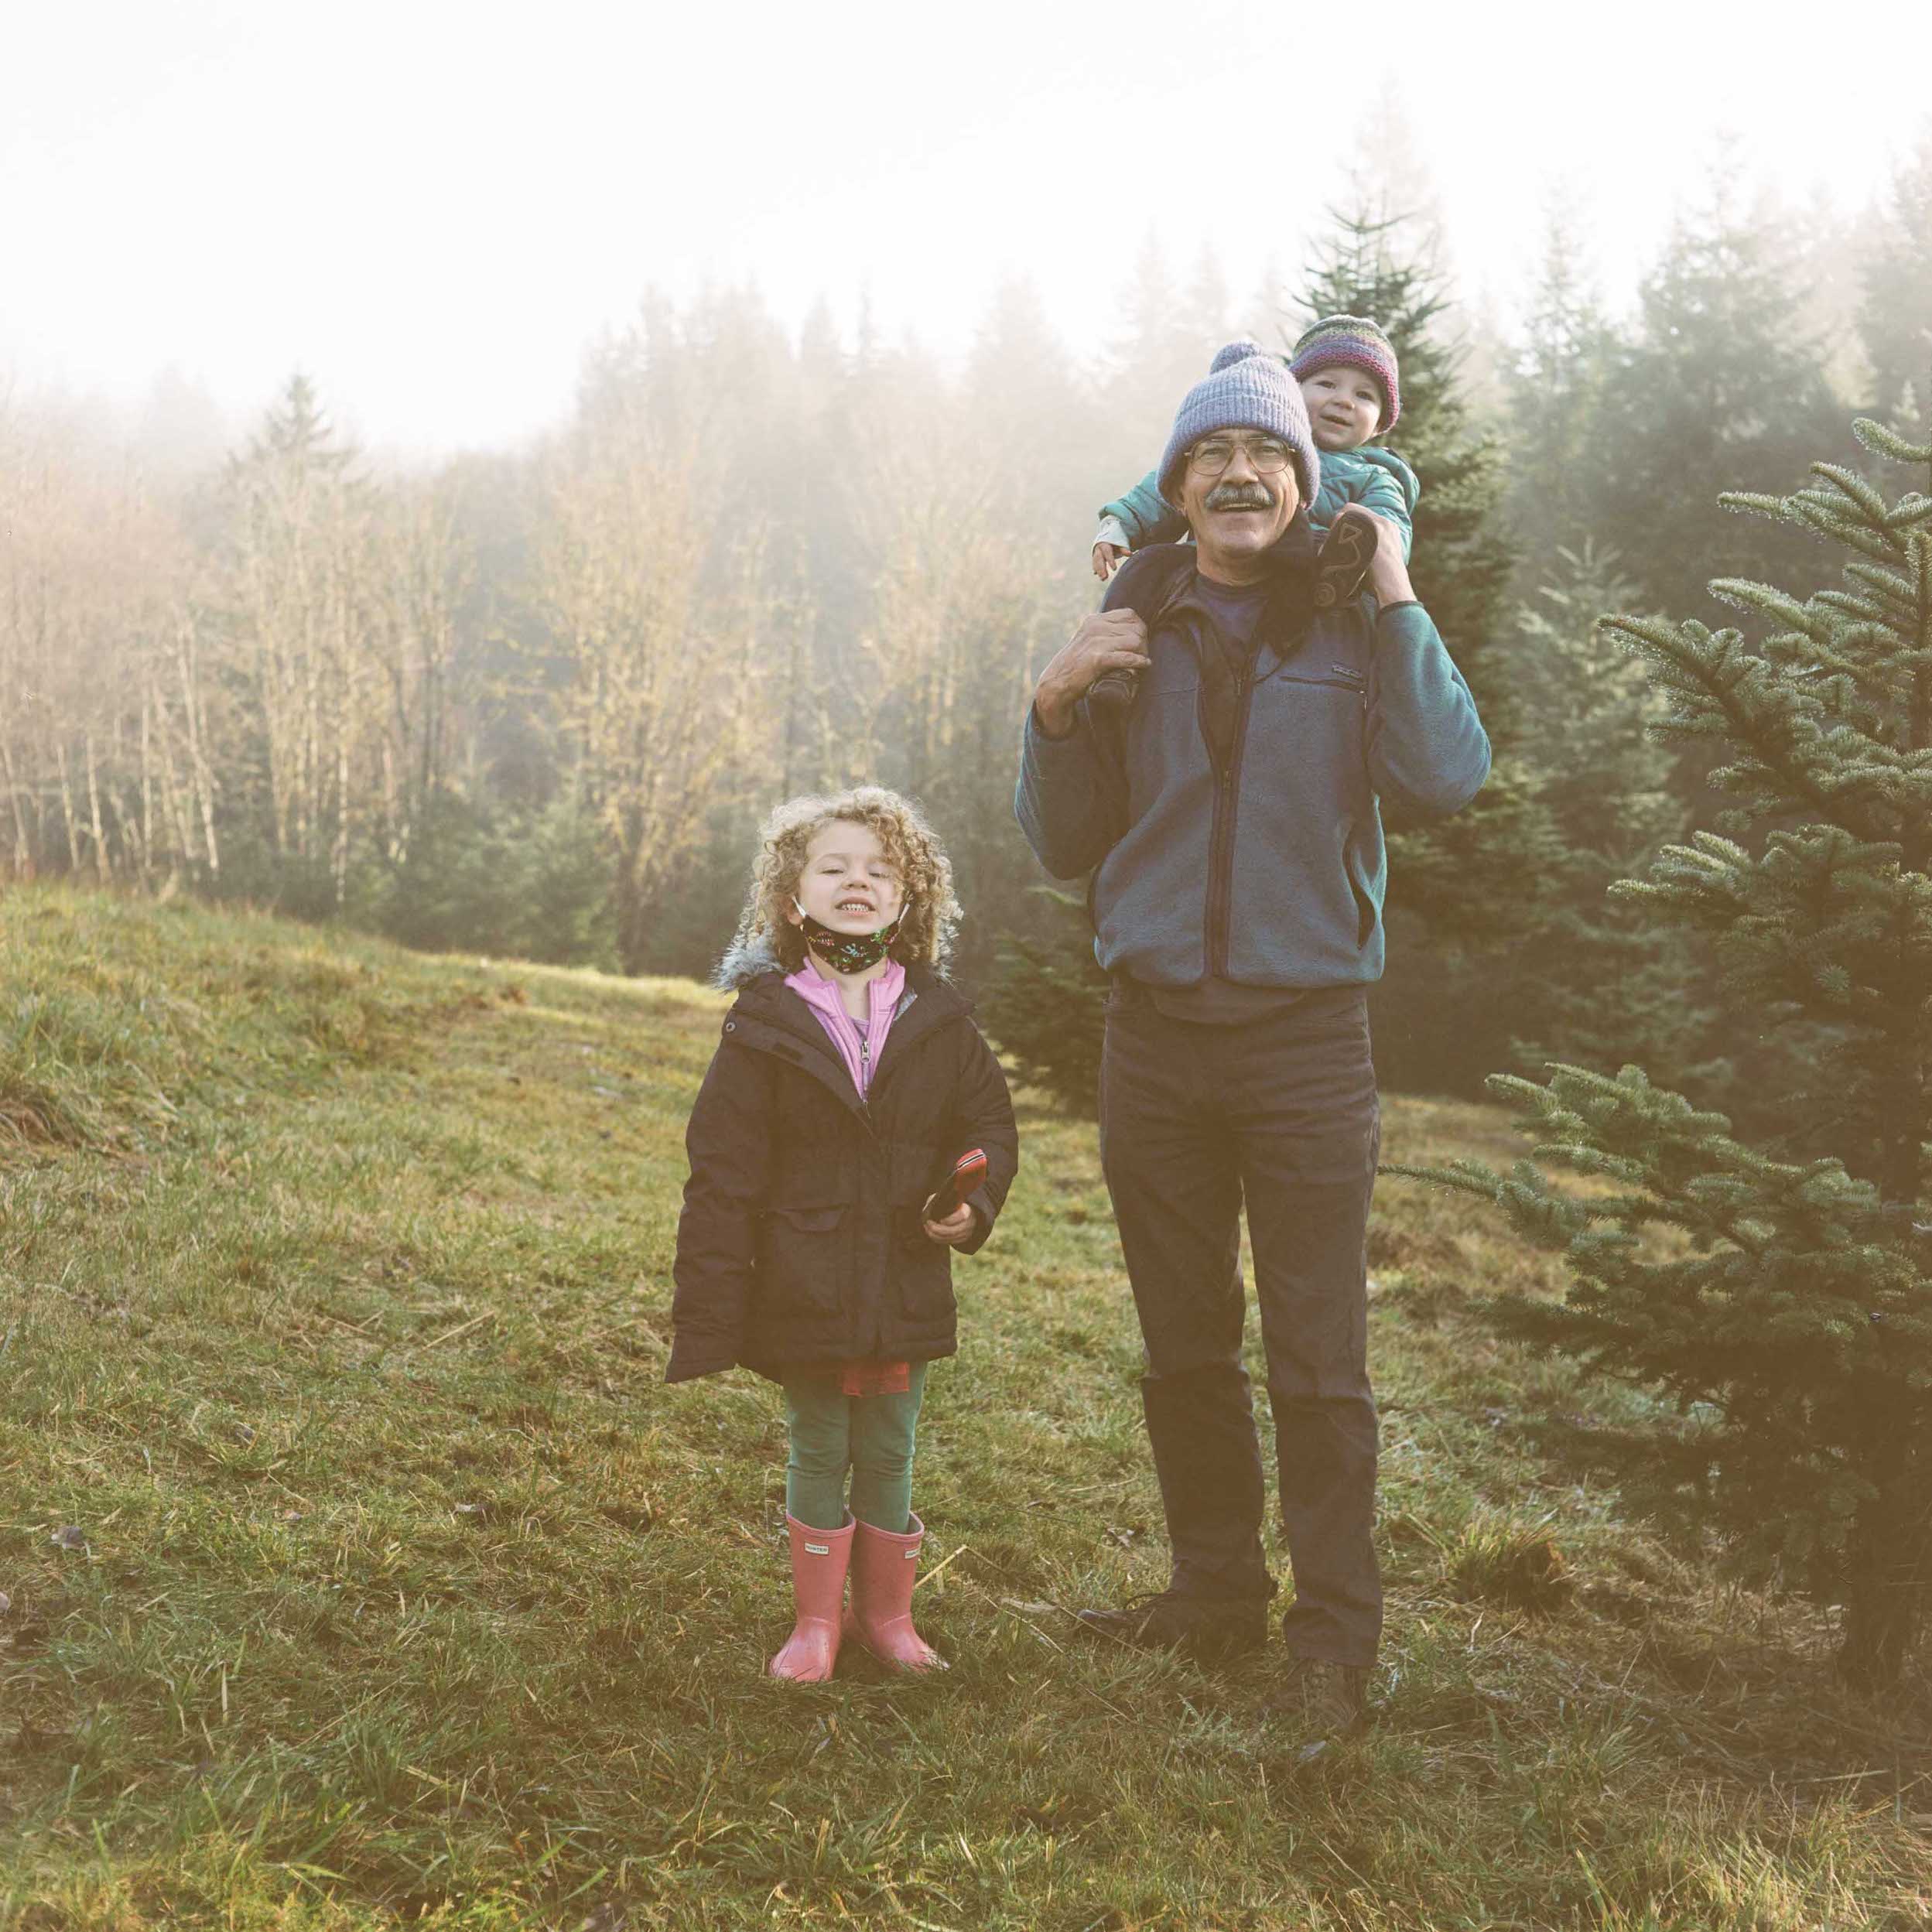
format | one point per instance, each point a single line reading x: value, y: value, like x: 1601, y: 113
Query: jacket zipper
x: 1220, y: 838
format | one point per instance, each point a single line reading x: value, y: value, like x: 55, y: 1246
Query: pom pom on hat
x: 1235, y: 352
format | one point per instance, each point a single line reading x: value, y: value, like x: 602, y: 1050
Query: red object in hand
x: 967, y: 1172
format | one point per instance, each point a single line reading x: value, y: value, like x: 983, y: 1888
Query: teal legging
x: 870, y: 1435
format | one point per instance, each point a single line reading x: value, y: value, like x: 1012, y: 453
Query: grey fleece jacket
x: 1268, y: 873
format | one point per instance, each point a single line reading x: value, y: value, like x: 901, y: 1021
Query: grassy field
x: 360, y: 1572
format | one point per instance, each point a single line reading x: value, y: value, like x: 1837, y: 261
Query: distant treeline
x: 533, y: 702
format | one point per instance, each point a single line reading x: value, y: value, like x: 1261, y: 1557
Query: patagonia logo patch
x: 818, y: 1549
x: 1347, y: 671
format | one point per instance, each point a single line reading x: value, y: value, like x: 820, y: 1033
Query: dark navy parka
x: 800, y: 1244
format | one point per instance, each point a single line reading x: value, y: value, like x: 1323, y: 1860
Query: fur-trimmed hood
x: 744, y: 961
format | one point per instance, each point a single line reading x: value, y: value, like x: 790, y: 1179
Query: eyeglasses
x: 1267, y: 453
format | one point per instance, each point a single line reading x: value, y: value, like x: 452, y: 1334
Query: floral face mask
x: 847, y: 951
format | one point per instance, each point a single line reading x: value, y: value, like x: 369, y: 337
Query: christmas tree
x: 1780, y: 1301
x: 1465, y: 893
x: 1047, y: 1006
x: 1382, y: 266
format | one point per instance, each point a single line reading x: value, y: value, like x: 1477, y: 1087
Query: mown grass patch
x: 400, y: 1591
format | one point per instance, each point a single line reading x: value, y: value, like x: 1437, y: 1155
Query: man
x: 1231, y: 819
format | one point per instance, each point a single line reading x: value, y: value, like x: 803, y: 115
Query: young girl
x: 850, y: 1079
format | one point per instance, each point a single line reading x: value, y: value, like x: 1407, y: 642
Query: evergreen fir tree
x: 1782, y: 1307
x: 1600, y: 779
x: 1720, y: 389
x: 293, y: 504
x: 1895, y: 319
x: 1556, y: 377
x: 1171, y: 336
x: 1381, y: 268
x: 1462, y: 892
x: 1046, y: 1006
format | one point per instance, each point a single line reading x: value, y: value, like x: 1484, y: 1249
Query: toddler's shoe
x: 1342, y: 564
x: 1110, y: 697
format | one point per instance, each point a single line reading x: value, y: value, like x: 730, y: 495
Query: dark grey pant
x: 1280, y: 1114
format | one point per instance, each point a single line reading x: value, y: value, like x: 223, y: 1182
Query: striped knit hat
x: 1356, y: 342
x: 1246, y: 388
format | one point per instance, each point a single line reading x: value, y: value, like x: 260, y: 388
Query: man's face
x: 849, y: 883
x: 1345, y: 406
x: 1235, y: 497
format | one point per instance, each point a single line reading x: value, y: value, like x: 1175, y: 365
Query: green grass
x: 403, y: 1592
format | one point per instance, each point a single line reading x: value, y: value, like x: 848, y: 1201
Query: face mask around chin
x: 847, y: 951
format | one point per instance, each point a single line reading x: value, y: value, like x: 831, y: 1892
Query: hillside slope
x: 361, y: 1570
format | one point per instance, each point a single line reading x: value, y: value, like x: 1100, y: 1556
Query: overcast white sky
x: 432, y: 208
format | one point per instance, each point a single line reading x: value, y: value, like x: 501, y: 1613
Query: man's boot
x: 1209, y: 1629
x: 1201, y: 1428
x: 1324, y: 1700
x: 885, y: 1568
x: 819, y: 1559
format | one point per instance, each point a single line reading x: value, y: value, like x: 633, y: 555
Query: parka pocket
x: 812, y: 1220
x: 804, y: 1256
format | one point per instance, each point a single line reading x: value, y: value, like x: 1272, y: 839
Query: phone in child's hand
x: 967, y: 1172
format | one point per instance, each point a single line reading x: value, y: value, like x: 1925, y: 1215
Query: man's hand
x: 956, y: 1227
x: 1107, y: 559
x: 1388, y: 573
x: 1103, y: 640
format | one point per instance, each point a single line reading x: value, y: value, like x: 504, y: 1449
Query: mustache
x: 1240, y: 496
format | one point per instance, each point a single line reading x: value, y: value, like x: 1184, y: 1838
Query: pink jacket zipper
x: 859, y: 1051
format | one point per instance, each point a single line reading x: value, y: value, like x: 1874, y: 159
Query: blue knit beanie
x: 1245, y: 388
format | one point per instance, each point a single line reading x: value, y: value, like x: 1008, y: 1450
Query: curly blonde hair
x: 931, y: 912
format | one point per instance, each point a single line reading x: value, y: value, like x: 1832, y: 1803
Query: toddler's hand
x: 956, y: 1227
x: 1107, y: 559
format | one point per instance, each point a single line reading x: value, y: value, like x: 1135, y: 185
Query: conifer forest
x: 530, y: 701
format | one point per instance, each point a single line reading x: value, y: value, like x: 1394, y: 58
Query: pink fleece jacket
x: 859, y: 1051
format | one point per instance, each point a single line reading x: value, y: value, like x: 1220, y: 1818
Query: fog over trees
x: 532, y: 701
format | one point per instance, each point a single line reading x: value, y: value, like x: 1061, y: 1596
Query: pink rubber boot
x: 884, y: 1567
x: 820, y: 1559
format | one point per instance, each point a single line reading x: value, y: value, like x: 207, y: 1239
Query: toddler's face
x: 1344, y: 405
x: 848, y: 882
